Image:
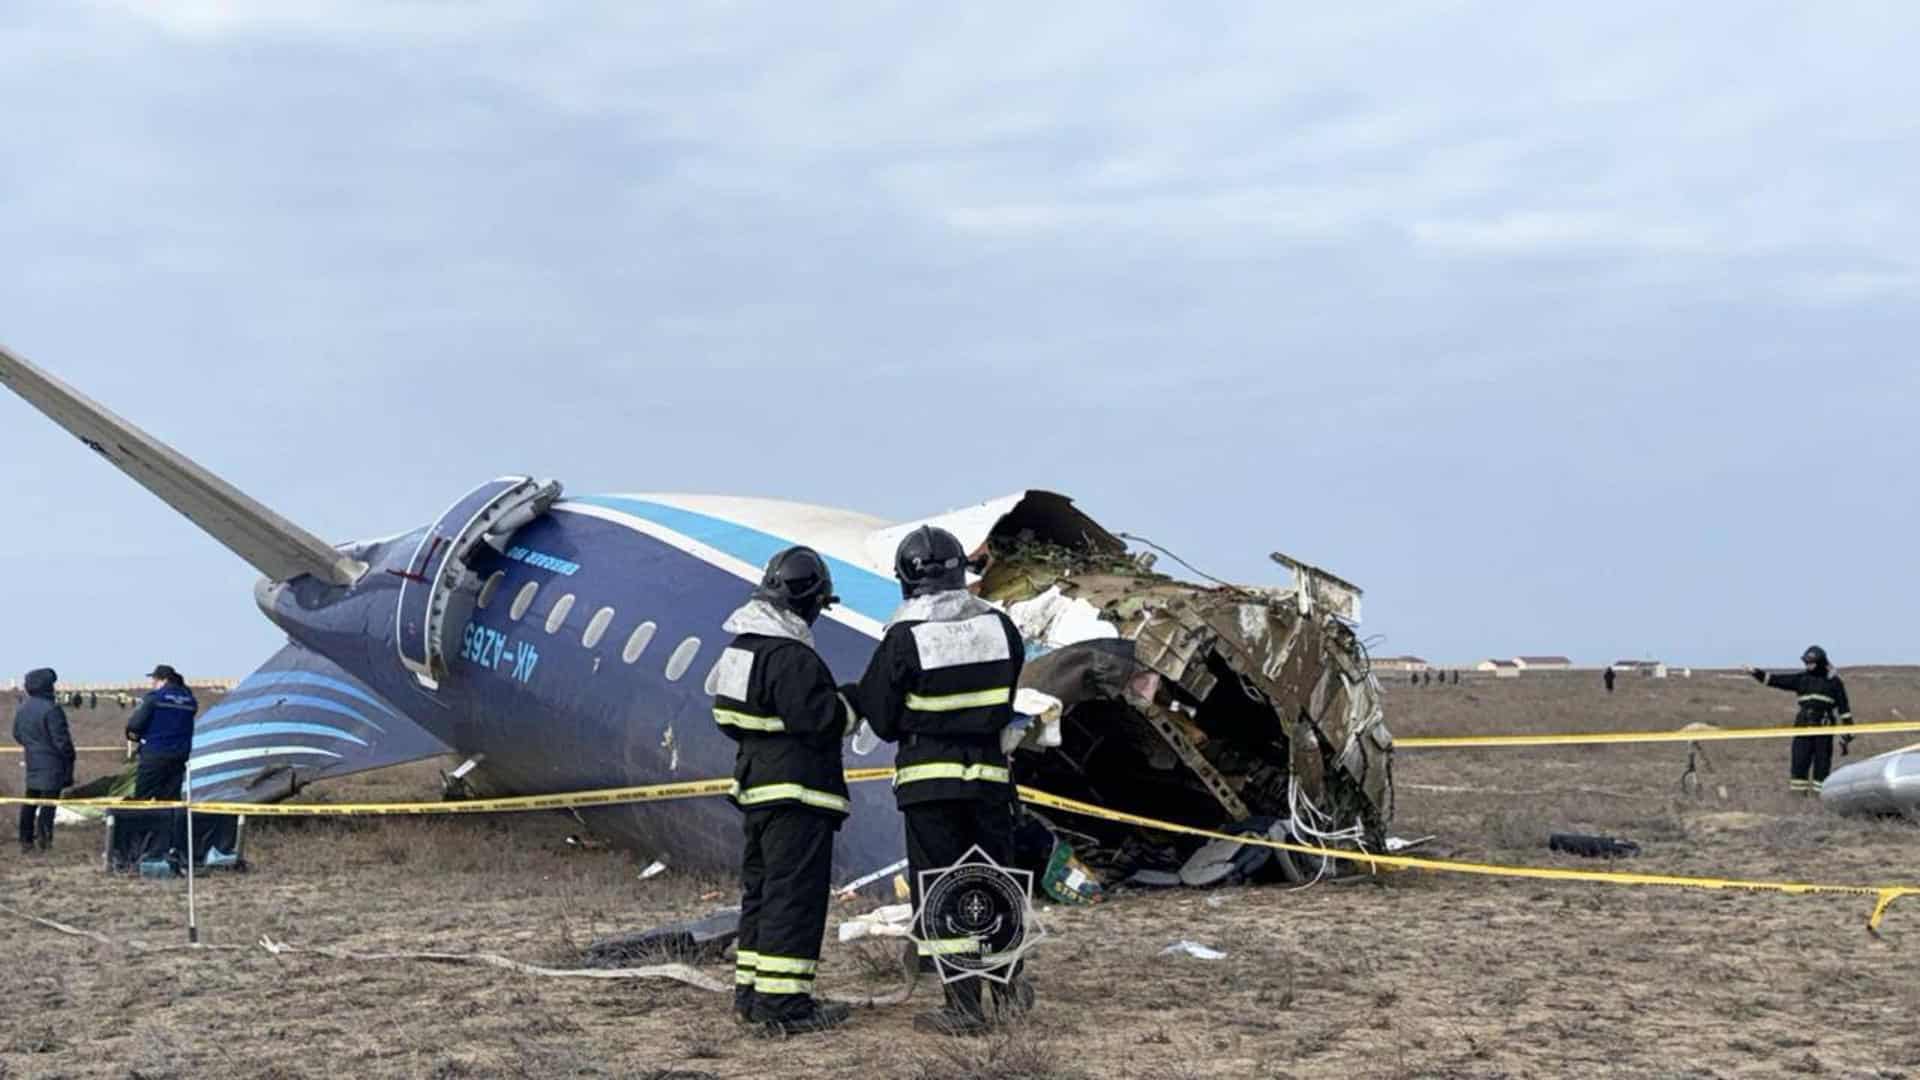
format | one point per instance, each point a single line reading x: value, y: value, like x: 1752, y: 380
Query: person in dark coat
x: 40, y: 727
x: 1608, y: 678
x: 163, y: 726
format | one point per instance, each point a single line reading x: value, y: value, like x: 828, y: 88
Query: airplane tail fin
x: 270, y: 543
x: 300, y: 718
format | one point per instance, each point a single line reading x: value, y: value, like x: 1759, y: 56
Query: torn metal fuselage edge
x: 1200, y: 704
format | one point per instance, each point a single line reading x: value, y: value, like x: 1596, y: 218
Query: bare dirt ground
x: 1416, y: 974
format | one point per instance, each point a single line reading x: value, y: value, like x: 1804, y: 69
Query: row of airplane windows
x: 637, y: 642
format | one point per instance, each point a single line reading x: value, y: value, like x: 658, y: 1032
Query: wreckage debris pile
x: 1213, y: 706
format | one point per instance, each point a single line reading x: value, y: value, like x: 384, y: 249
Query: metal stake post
x: 193, y: 927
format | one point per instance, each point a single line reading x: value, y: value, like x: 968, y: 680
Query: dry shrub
x: 1009, y: 1052
x: 876, y: 959
x: 1511, y: 829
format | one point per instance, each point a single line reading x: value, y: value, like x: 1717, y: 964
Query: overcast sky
x: 1581, y: 329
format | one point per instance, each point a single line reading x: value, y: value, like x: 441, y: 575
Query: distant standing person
x: 1823, y: 702
x: 163, y: 726
x: 40, y: 727
x: 1608, y: 678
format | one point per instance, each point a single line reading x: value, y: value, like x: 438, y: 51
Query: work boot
x: 948, y: 1020
x: 743, y: 1004
x: 814, y: 1017
x: 1013, y: 999
x: 960, y: 1016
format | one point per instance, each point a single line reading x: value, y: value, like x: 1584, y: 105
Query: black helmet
x: 930, y: 560
x: 1815, y: 655
x: 798, y: 580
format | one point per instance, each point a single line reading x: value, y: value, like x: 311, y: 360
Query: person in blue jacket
x: 40, y: 727
x: 163, y: 726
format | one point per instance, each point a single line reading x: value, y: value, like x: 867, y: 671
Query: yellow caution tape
x: 1441, y: 742
x: 691, y: 789
x: 1884, y: 895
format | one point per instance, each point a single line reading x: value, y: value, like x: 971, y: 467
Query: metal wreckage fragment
x: 1239, y: 709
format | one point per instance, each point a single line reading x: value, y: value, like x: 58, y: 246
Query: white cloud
x: 1540, y: 232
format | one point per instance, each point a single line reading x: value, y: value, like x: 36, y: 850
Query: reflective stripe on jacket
x: 775, y: 697
x: 1822, y: 698
x: 941, y: 686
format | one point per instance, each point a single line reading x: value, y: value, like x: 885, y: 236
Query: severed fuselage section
x: 1223, y: 707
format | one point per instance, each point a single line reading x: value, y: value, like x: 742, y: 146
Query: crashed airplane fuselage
x: 563, y: 644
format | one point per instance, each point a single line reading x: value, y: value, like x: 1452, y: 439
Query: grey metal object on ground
x: 698, y: 941
x: 1881, y: 785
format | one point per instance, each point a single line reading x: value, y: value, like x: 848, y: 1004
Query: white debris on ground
x: 891, y: 921
x: 1193, y: 949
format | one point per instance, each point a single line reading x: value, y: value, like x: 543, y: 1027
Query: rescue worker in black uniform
x: 1823, y: 702
x: 775, y: 697
x: 941, y: 685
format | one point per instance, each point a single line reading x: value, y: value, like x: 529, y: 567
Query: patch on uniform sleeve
x: 731, y: 674
x: 978, y: 640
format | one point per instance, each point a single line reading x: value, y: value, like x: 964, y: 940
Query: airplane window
x: 559, y: 613
x: 637, y: 644
x: 523, y: 601
x: 597, y: 629
x: 488, y: 590
x: 682, y: 659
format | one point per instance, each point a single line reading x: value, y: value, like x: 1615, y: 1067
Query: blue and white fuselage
x: 582, y: 665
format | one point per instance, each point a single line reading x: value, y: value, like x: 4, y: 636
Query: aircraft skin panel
x: 299, y: 718
x: 843, y: 534
x: 529, y: 699
x: 868, y: 599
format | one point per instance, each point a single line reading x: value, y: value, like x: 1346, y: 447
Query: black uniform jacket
x: 776, y: 698
x: 941, y: 685
x: 1823, y: 698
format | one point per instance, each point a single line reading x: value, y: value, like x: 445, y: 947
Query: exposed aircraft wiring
x: 1223, y: 584
x: 1310, y: 825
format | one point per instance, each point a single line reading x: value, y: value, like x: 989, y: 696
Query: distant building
x: 1400, y: 663
x: 1652, y: 669
x: 1543, y: 663
x: 1502, y: 669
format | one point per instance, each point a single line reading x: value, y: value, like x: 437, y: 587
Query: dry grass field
x: 1414, y: 974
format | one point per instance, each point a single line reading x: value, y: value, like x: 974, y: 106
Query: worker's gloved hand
x: 1759, y: 675
x: 1846, y: 741
x: 1013, y: 734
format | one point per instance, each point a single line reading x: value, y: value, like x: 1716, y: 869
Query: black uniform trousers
x: 36, y: 822
x: 1812, y: 758
x: 160, y: 776
x: 939, y: 834
x: 785, y: 876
